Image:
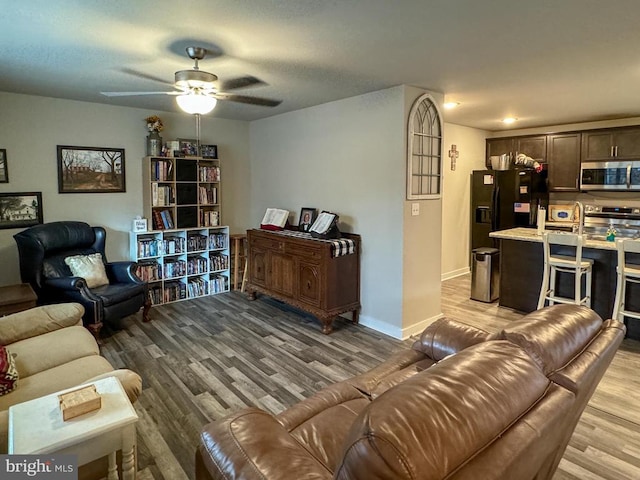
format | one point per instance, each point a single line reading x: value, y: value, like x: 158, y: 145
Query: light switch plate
x: 415, y: 209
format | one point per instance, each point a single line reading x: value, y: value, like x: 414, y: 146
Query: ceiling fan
x: 196, y: 91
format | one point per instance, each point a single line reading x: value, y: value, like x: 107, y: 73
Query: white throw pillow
x: 89, y: 267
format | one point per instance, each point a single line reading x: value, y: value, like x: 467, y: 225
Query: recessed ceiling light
x: 450, y: 105
x: 509, y: 120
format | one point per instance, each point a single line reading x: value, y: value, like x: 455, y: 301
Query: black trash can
x: 485, y: 274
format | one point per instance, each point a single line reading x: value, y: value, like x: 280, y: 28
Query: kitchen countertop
x: 531, y: 235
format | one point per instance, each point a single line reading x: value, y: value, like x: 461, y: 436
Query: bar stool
x: 554, y: 264
x: 625, y: 273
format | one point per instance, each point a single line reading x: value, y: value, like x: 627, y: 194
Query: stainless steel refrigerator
x: 502, y: 199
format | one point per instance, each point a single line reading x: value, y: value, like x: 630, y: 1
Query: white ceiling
x: 546, y: 62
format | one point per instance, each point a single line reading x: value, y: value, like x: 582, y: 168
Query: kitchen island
x: 522, y: 265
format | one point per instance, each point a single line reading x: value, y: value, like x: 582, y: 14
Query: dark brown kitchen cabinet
x: 532, y: 146
x: 563, y: 159
x: 304, y: 273
x: 611, y: 144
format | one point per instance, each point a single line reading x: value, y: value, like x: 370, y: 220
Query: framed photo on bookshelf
x: 19, y: 210
x: 188, y: 147
x: 90, y: 169
x: 209, y: 151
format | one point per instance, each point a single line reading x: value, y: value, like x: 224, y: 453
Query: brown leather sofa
x: 460, y: 404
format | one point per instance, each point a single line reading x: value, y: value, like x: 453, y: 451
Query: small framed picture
x: 139, y: 225
x: 4, y: 170
x: 209, y: 151
x: 188, y: 147
x: 20, y: 210
x: 307, y: 217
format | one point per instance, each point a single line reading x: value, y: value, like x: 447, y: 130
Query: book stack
x: 217, y: 240
x: 148, y: 247
x: 162, y: 219
x: 196, y: 242
x: 219, y: 261
x: 207, y: 195
x: 196, y: 265
x: 172, y: 245
x: 162, y: 170
x: 149, y: 271
x: 209, y: 174
x: 174, y: 268
x: 197, y: 287
x: 161, y: 195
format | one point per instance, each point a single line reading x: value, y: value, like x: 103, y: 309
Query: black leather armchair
x: 42, y: 250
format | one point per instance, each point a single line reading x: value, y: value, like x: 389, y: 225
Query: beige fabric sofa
x: 53, y: 351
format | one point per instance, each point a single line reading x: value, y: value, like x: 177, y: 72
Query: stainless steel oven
x: 617, y: 175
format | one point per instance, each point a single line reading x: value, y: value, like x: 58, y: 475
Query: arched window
x: 424, y: 146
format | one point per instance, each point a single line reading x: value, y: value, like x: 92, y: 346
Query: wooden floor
x: 204, y: 358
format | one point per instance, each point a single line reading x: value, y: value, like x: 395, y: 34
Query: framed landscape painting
x: 19, y: 210
x: 90, y: 169
x: 4, y: 171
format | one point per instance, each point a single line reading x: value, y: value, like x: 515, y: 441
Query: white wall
x: 31, y: 127
x: 349, y: 157
x: 456, y: 198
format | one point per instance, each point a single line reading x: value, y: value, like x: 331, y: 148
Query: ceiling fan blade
x: 264, y: 102
x: 241, y: 82
x: 146, y: 76
x: 131, y: 94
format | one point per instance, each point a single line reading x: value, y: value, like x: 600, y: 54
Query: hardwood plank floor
x: 204, y: 358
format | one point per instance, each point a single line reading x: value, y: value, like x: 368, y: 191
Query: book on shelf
x: 158, y: 223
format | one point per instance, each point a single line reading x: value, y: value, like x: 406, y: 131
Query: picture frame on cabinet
x: 209, y: 151
x: 4, y: 169
x: 20, y: 209
x: 90, y: 169
x: 307, y: 217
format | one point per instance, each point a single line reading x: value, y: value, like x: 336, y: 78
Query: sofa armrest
x: 38, y: 321
x: 122, y: 272
x: 446, y: 337
x: 130, y: 381
x: 252, y: 444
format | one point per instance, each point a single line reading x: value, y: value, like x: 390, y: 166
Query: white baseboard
x: 455, y: 273
x: 395, y: 331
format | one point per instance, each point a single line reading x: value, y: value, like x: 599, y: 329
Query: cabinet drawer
x: 304, y: 251
x: 268, y: 243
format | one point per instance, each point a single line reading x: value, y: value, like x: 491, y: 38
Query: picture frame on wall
x: 20, y: 209
x: 4, y: 169
x: 307, y: 217
x: 90, y: 169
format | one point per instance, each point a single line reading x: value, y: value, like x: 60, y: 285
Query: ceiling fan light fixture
x: 196, y: 103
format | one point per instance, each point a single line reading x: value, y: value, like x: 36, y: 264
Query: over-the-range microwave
x: 616, y: 175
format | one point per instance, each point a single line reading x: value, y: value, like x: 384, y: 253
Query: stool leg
x: 544, y: 288
x: 588, y: 287
x: 617, y: 303
x: 553, y: 273
x: 577, y: 283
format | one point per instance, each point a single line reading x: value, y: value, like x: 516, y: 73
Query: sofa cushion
x: 555, y: 335
x: 57, y: 378
x: 40, y: 353
x: 8, y: 371
x: 38, y: 321
x: 436, y: 421
x: 445, y: 337
x: 89, y: 267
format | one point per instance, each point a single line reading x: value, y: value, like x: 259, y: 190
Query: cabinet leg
x: 327, y: 325
x: 356, y: 316
x: 251, y: 295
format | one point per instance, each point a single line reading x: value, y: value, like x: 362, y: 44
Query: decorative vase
x: 154, y: 144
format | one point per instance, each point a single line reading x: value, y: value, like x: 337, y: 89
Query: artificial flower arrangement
x: 154, y: 123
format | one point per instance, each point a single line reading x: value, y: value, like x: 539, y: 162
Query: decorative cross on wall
x: 453, y: 155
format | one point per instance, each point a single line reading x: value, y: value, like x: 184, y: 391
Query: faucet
x: 580, y: 208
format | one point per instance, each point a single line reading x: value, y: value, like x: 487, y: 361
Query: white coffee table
x: 36, y: 427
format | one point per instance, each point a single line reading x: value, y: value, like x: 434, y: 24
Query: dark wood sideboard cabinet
x: 303, y: 273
